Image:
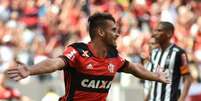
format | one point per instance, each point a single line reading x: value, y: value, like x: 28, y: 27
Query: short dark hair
x: 167, y: 26
x: 98, y: 20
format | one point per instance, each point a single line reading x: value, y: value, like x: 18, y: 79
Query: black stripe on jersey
x: 65, y: 59
x: 176, y: 76
x: 81, y: 48
x: 152, y: 64
x: 72, y: 86
x: 175, y: 92
x: 156, y: 83
x: 126, y: 63
x: 163, y: 90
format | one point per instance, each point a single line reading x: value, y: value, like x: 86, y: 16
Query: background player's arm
x: 20, y: 71
x: 139, y: 71
x: 187, y: 84
x: 185, y: 72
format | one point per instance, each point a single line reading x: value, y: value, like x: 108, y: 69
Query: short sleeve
x: 184, y: 68
x: 70, y: 56
x: 124, y: 63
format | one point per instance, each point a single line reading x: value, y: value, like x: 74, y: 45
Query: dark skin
x: 161, y: 37
x: 105, y: 38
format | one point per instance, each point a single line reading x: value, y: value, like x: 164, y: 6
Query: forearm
x: 46, y: 66
x: 187, y: 84
x: 140, y: 71
x: 146, y: 98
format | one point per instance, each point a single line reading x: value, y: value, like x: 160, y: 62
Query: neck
x: 165, y: 46
x: 100, y: 48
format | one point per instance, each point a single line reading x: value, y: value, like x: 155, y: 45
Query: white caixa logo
x: 97, y: 84
x: 111, y: 67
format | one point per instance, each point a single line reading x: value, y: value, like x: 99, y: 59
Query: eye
x: 114, y: 29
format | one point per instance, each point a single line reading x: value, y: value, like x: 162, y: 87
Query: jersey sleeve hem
x: 123, y: 66
x: 65, y: 59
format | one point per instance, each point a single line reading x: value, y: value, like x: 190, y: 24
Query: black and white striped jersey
x: 174, y: 61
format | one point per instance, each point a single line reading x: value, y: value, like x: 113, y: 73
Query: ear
x: 100, y: 32
x: 169, y: 35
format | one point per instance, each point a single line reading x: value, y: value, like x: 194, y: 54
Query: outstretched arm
x: 21, y: 71
x: 139, y: 70
x: 47, y: 66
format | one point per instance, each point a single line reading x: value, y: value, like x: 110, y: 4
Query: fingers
x: 11, y: 71
x: 13, y: 74
x: 17, y: 78
x: 167, y: 78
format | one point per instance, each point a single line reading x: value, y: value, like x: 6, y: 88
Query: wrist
x: 29, y: 72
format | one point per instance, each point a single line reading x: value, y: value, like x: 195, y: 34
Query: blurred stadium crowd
x: 32, y: 30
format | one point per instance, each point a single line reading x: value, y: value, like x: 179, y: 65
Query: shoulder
x: 78, y: 45
x: 178, y: 49
x: 81, y: 48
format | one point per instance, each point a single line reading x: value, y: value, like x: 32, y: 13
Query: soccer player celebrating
x: 89, y: 68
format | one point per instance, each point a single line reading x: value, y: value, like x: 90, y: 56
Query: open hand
x: 17, y: 72
x: 163, y: 76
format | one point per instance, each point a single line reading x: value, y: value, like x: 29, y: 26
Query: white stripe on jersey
x: 162, y: 65
x: 155, y: 62
x: 147, y: 83
x: 171, y: 67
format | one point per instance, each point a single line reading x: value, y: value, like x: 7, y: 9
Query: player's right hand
x: 163, y: 76
x: 17, y: 72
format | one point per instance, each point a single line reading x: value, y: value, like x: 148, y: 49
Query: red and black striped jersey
x: 87, y: 77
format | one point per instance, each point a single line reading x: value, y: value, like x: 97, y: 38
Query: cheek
x: 106, y: 38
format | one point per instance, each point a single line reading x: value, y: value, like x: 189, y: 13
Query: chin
x: 113, y: 46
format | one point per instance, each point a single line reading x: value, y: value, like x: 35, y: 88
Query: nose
x: 154, y: 34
